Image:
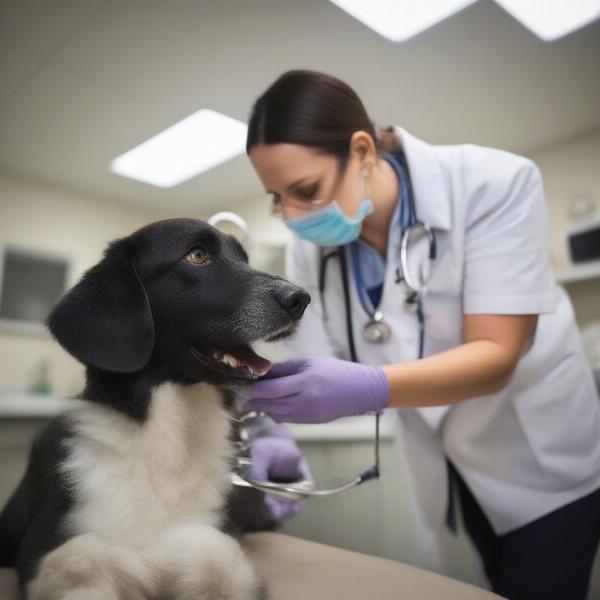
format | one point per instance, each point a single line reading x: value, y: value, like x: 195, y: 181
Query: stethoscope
x: 293, y: 490
x: 376, y: 330
x: 240, y: 474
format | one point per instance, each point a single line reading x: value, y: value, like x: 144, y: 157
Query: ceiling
x: 82, y: 81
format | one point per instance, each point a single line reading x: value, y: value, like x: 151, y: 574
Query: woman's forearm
x: 473, y: 369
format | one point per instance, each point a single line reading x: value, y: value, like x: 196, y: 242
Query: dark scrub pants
x: 548, y: 559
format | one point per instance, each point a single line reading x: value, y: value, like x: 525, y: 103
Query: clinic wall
x: 52, y: 220
x: 570, y: 170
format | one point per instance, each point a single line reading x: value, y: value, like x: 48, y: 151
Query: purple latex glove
x: 279, y: 458
x: 317, y: 390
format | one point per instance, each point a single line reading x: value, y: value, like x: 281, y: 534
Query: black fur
x: 142, y: 316
x: 29, y: 523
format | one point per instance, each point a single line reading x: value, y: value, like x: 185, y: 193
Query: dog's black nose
x: 294, y: 300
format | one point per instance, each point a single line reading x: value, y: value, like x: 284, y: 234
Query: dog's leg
x: 202, y: 563
x: 86, y: 568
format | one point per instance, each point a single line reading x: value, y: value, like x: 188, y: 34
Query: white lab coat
x: 530, y: 448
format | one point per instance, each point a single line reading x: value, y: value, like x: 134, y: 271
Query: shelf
x: 24, y: 405
x: 347, y: 429
x: 581, y: 272
x: 27, y: 405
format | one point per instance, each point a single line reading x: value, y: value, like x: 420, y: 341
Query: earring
x: 364, y: 171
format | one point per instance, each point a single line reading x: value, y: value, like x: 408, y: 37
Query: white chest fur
x: 132, y: 480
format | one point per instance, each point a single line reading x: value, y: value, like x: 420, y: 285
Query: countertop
x: 23, y: 405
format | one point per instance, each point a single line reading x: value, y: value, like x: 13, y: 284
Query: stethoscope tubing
x: 416, y: 290
x: 305, y: 489
x: 291, y: 492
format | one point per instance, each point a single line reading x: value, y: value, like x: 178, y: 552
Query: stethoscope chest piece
x: 376, y: 330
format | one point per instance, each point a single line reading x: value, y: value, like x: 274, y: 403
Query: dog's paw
x: 86, y: 568
x: 202, y: 563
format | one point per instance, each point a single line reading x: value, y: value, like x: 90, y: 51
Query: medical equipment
x: 584, y: 241
x: 293, y: 490
x: 234, y: 219
x: 240, y: 475
x: 376, y: 330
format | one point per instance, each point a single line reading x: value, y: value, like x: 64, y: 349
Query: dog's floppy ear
x: 105, y: 320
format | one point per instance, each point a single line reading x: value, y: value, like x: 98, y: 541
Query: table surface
x: 297, y: 569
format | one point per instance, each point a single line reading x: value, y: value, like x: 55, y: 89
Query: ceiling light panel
x: 399, y: 20
x: 190, y: 147
x: 552, y: 19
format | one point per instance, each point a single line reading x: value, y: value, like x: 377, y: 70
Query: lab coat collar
x: 427, y: 178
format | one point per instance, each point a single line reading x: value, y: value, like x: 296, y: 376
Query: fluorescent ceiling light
x: 552, y: 19
x: 193, y: 145
x: 398, y: 20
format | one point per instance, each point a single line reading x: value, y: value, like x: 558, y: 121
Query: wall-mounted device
x: 583, y: 241
x: 30, y: 283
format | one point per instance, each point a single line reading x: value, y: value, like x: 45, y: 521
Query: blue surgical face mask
x: 329, y: 226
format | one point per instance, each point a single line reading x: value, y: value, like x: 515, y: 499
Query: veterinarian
x: 502, y: 402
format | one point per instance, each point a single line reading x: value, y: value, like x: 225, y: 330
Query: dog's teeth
x: 231, y: 361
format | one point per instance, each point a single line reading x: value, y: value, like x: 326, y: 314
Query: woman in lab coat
x: 503, y: 399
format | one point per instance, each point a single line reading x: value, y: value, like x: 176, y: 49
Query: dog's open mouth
x: 243, y: 361
x: 240, y: 361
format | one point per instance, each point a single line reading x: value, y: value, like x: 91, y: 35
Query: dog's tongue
x: 256, y: 363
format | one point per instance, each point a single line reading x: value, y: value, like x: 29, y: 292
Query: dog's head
x: 176, y: 294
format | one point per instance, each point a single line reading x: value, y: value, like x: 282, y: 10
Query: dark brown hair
x: 309, y: 108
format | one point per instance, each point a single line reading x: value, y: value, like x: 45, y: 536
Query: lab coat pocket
x: 560, y: 417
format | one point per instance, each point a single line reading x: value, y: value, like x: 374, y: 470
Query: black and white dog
x: 128, y: 495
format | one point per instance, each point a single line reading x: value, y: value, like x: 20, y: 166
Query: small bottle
x: 43, y: 385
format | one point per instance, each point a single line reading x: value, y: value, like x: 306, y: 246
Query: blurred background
x: 83, y: 82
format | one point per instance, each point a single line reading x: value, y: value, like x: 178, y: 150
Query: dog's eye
x: 197, y: 256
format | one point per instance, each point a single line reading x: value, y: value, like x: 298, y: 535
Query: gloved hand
x: 277, y: 458
x: 321, y: 389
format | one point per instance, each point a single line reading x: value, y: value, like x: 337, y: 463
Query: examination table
x: 296, y: 569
